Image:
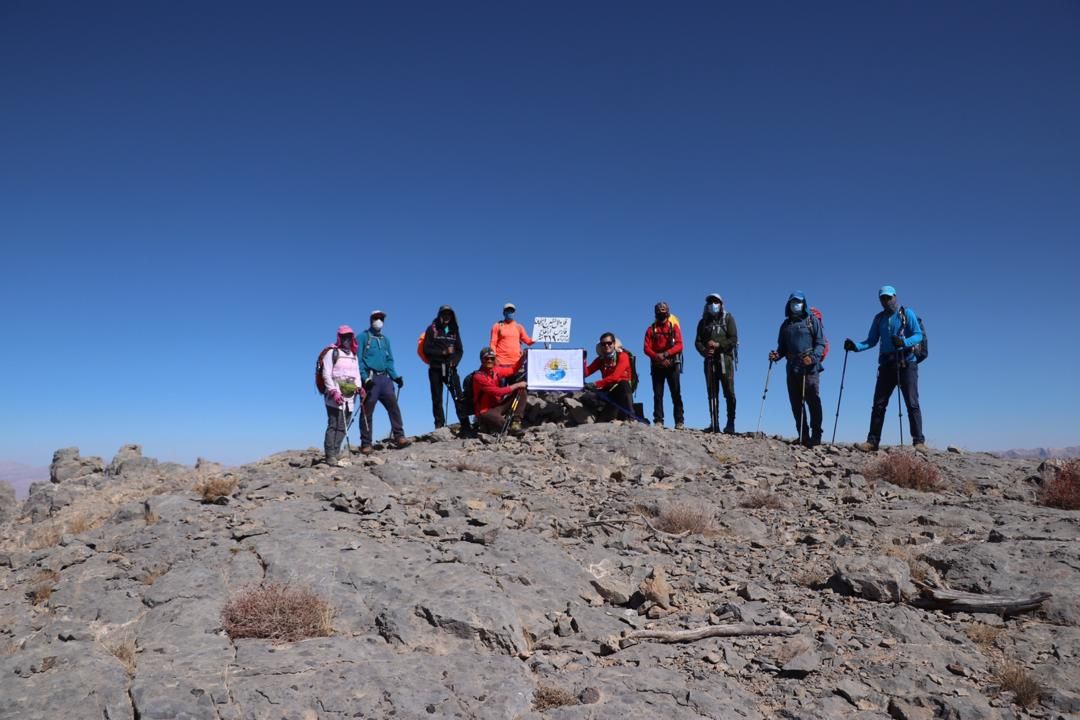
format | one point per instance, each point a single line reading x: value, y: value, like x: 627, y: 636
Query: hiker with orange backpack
x: 442, y: 351
x: 717, y: 341
x: 337, y: 377
x: 507, y: 335
x: 801, y: 342
x: 664, y: 346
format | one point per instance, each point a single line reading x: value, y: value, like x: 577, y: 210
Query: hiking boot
x: 814, y: 440
x: 679, y: 425
x: 866, y: 446
x: 366, y: 450
x: 658, y: 423
x: 515, y: 428
x: 338, y: 463
x: 729, y: 429
x: 401, y: 442
x: 920, y: 447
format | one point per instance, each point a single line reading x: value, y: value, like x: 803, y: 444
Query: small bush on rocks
x: 43, y: 585
x: 761, y: 499
x: 277, y: 612
x: 1063, y: 490
x: 983, y: 635
x: 216, y: 490
x: 684, y: 518
x: 124, y: 651
x: 906, y: 471
x: 1016, y: 679
x: 547, y: 697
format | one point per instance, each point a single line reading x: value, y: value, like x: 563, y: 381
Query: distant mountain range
x: 20, y: 476
x: 1073, y: 451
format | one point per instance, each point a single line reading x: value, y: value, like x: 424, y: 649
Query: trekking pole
x: 761, y: 412
x: 802, y: 406
x: 899, y: 400
x: 839, y: 398
x: 509, y: 416
x: 629, y: 413
x: 348, y: 445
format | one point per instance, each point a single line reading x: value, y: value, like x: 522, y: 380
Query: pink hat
x: 345, y: 330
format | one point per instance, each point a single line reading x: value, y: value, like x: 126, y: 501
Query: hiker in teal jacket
x: 378, y: 373
x: 896, y: 334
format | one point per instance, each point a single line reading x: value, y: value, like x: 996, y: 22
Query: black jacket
x: 442, y: 343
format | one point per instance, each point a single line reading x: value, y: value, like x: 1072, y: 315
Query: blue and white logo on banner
x: 562, y: 369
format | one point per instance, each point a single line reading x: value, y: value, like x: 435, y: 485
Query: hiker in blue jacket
x: 898, y: 332
x: 801, y: 342
x: 379, y: 376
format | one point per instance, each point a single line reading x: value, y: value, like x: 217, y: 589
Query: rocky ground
x: 473, y: 579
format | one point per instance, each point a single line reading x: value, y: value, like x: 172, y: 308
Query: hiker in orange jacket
x: 664, y: 346
x: 507, y: 336
x: 615, y: 379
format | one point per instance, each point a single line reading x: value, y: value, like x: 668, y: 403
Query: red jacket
x: 486, y: 390
x: 663, y: 338
x: 611, y: 371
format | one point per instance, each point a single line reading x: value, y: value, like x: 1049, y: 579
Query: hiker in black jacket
x: 717, y: 339
x: 443, y: 350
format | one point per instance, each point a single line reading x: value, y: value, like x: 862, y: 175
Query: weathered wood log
x: 680, y: 636
x: 957, y: 601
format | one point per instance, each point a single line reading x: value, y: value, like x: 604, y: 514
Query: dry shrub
x: 82, y: 522
x: 43, y: 585
x: 277, y: 612
x: 983, y: 635
x: 684, y: 518
x: 216, y: 490
x: 919, y: 570
x: 45, y: 536
x: 761, y: 499
x: 1015, y: 678
x: 547, y: 697
x: 812, y: 577
x: 1063, y: 490
x: 906, y: 471
x: 124, y: 651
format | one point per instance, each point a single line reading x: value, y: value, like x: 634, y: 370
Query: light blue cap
x: 886, y: 290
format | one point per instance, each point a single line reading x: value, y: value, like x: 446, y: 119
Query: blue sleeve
x: 780, y: 350
x: 914, y: 328
x: 871, y: 339
x: 390, y: 361
x: 362, y: 340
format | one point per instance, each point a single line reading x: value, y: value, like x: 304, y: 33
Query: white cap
x: 509, y: 306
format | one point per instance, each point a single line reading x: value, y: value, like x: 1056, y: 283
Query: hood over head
x: 342, y: 331
x: 801, y: 297
x: 453, y: 317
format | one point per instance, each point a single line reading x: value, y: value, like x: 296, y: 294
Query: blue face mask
x: 508, y: 314
x: 714, y: 308
x: 796, y: 307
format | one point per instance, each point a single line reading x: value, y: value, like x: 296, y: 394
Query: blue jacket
x: 375, y: 355
x: 801, y: 334
x: 884, y: 326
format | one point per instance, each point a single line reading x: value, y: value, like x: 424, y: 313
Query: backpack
x: 467, y: 395
x: 633, y: 371
x: 922, y: 350
x: 821, y: 323
x: 420, y: 348
x: 320, y: 386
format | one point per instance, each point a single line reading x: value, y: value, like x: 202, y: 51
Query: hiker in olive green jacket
x: 717, y: 340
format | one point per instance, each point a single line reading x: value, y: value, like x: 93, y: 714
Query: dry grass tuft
x: 906, y: 471
x: 983, y: 635
x: 761, y: 499
x: 124, y: 651
x: 1063, y: 491
x: 216, y: 490
x: 82, y: 522
x: 547, y: 697
x: 920, y: 572
x: 45, y: 536
x: 1016, y: 679
x: 277, y: 612
x: 812, y: 577
x: 684, y: 518
x: 43, y: 585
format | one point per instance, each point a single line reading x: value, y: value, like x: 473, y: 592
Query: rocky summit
x: 599, y: 571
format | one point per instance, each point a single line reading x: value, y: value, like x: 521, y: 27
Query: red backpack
x: 821, y: 323
x: 320, y: 386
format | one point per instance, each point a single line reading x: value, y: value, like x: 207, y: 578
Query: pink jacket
x: 346, y: 369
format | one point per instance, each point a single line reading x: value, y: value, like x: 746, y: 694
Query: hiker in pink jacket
x: 341, y: 378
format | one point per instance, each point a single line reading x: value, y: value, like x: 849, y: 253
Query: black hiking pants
x: 883, y: 390
x: 720, y: 375
x: 446, y: 375
x: 616, y: 402
x: 805, y: 404
x: 660, y: 375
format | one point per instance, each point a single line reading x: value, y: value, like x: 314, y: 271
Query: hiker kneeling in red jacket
x: 614, y: 386
x: 494, y: 402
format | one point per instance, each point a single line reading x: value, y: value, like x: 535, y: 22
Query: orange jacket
x: 611, y: 371
x: 506, y: 339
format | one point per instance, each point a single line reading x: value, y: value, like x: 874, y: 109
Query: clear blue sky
x: 194, y: 195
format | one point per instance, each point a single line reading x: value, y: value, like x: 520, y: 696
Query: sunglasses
x: 607, y: 342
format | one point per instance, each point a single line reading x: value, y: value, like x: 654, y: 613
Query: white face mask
x: 376, y: 324
x: 714, y: 308
x: 796, y: 307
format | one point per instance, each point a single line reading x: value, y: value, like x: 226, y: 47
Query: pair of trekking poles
x: 359, y: 411
x: 836, y: 421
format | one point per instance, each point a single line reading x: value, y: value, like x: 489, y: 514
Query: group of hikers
x: 357, y: 371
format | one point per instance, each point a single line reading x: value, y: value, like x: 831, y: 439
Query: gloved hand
x: 399, y: 381
x: 773, y: 356
x: 368, y: 384
x: 807, y: 360
x: 591, y: 387
x: 361, y: 393
x: 335, y: 397
x: 849, y: 345
x: 897, y: 341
